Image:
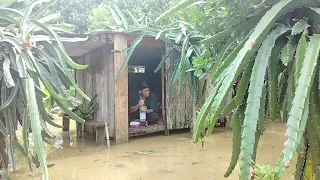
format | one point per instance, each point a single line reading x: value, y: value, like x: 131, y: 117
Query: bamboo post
x: 107, y: 134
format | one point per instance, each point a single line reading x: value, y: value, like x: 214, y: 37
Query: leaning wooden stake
x: 107, y: 134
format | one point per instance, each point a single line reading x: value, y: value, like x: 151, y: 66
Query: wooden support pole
x: 107, y: 134
x: 66, y: 123
x: 121, y: 91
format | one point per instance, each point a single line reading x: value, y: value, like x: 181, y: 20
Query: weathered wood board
x: 178, y: 112
x: 121, y: 91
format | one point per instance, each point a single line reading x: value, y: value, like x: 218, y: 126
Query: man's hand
x: 144, y: 108
x: 141, y: 102
x: 149, y: 111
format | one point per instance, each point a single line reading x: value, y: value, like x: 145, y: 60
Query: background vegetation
x: 268, y: 48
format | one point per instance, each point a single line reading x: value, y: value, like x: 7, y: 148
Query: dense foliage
x: 90, y: 15
x: 276, y: 66
x: 75, y: 12
x: 32, y: 59
x: 270, y: 49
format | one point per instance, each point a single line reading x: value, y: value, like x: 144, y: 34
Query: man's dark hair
x: 143, y: 85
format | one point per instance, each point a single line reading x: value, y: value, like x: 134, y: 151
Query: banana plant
x: 32, y: 55
x: 86, y: 111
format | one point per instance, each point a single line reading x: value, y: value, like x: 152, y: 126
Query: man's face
x: 145, y: 92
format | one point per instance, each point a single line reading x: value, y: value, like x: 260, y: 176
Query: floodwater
x: 156, y: 157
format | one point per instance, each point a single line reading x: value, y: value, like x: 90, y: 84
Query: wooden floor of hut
x: 143, y: 130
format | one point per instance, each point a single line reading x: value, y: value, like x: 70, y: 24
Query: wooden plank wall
x: 98, y: 79
x: 80, y: 79
x: 178, y: 112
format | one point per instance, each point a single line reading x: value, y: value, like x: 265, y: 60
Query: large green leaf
x: 68, y: 73
x: 299, y: 100
x: 237, y: 121
x: 36, y: 127
x: 7, y: 74
x: 253, y: 101
x: 299, y: 56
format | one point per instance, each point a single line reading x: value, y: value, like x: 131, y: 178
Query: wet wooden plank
x: 143, y: 130
x: 99, y: 81
x: 88, y: 77
x: 176, y: 111
x: 121, y: 91
x: 108, y: 86
x: 80, y: 79
x: 94, y: 123
x: 169, y: 107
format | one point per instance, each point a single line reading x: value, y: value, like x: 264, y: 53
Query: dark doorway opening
x: 143, y: 62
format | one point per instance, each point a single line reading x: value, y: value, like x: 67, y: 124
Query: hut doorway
x: 141, y: 67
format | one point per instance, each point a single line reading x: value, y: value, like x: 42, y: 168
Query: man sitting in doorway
x: 144, y: 97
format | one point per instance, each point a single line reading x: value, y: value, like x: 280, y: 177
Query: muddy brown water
x: 156, y: 157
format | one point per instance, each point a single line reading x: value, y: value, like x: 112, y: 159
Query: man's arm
x: 134, y: 108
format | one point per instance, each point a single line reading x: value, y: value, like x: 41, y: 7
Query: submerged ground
x: 156, y: 157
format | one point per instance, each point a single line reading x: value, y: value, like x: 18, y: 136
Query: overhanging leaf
x: 36, y: 127
x: 253, y: 101
x: 132, y: 48
x: 7, y: 74
x: 302, y: 91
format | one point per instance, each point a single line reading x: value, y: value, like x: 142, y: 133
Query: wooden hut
x: 99, y: 78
